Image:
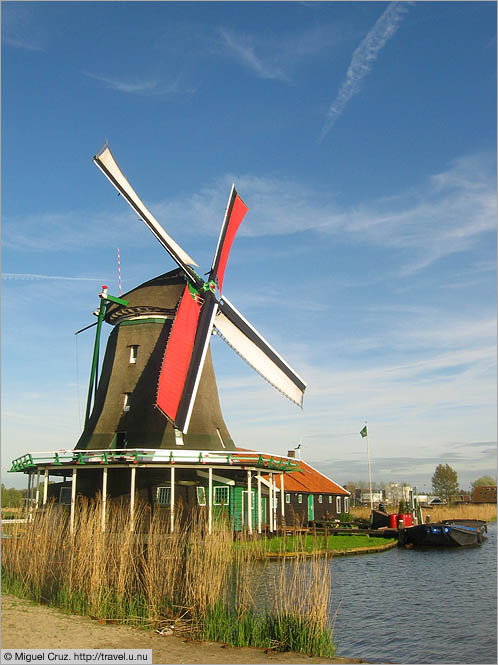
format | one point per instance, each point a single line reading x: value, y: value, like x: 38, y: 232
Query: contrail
x: 29, y: 276
x: 363, y: 59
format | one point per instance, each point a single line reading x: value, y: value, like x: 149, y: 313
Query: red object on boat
x: 393, y: 521
x: 408, y: 519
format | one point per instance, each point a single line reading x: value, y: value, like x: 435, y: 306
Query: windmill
x: 156, y: 421
x: 196, y: 308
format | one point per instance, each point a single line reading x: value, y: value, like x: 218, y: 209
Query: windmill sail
x: 107, y: 164
x: 248, y: 343
x: 235, y: 212
x: 177, y: 356
x: 184, y: 358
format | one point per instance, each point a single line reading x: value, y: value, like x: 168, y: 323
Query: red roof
x: 311, y: 480
x: 308, y: 480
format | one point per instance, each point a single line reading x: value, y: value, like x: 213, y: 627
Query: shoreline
x: 27, y: 625
x: 333, y: 553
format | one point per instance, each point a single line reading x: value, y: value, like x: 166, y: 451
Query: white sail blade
x: 248, y: 343
x: 107, y: 164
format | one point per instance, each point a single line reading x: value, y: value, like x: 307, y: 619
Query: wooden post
x: 259, y: 501
x: 28, y: 498
x: 282, y: 497
x: 73, y: 500
x: 37, y: 496
x: 210, y: 493
x: 271, y: 502
x: 45, y: 486
x: 172, y: 500
x: 249, y: 511
x: 132, y: 497
x: 104, y: 497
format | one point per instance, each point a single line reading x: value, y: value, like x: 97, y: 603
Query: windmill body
x: 125, y: 414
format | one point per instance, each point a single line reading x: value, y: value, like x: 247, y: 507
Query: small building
x: 363, y: 497
x: 484, y: 494
x: 310, y: 496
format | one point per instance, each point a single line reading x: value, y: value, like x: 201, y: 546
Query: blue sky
x: 362, y: 136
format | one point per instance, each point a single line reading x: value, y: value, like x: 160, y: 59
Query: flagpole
x: 369, y: 470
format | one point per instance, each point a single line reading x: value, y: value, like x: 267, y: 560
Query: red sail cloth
x: 177, y: 355
x: 239, y: 210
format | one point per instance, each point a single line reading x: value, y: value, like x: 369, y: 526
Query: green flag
x: 364, y: 432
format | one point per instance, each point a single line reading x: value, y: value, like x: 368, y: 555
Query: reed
x: 469, y: 511
x: 466, y: 511
x: 142, y: 574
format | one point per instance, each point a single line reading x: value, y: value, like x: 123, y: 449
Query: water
x: 416, y: 606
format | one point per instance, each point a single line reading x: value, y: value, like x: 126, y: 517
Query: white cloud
x: 446, y: 214
x: 15, y: 276
x: 142, y: 87
x: 364, y: 57
x: 20, y: 29
x: 241, y: 48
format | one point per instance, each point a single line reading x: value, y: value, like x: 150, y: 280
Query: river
x: 417, y: 606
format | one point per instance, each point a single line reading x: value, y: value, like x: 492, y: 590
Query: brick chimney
x: 291, y: 453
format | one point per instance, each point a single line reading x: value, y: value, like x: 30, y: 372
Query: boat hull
x: 450, y: 533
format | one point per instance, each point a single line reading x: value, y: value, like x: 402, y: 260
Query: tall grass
x: 151, y: 577
x: 469, y: 511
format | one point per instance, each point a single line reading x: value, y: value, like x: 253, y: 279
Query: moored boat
x: 448, y: 533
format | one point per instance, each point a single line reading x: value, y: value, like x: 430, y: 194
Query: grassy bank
x: 311, y: 543
x: 150, y: 577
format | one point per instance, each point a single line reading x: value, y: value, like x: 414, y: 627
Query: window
x: 320, y: 498
x: 221, y: 495
x: 287, y: 498
x: 338, y: 504
x: 121, y: 440
x: 126, y: 401
x: 346, y: 504
x: 164, y: 496
x: 299, y: 498
x: 201, y: 496
x: 330, y: 498
x: 133, y: 354
x: 178, y: 437
x: 65, y: 495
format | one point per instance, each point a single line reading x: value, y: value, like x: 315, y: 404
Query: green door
x: 311, y: 508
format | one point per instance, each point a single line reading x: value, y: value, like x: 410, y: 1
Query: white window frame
x: 163, y: 495
x: 179, y: 437
x: 346, y: 504
x: 201, y: 495
x: 133, y: 353
x: 299, y: 498
x: 217, y: 500
x: 320, y: 498
x: 338, y: 504
x: 126, y: 402
x: 330, y: 498
x: 287, y: 498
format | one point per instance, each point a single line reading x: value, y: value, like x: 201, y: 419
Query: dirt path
x: 26, y: 625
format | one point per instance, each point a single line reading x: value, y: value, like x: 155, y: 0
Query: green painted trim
x: 136, y: 322
x: 95, y: 360
x: 118, y: 301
